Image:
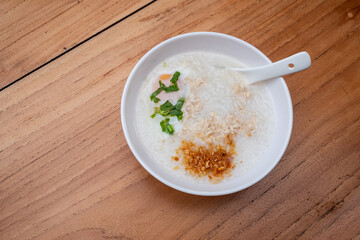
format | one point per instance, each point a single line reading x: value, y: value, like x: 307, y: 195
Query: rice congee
x: 200, y: 120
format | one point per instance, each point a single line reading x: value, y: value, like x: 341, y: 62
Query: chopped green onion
x: 156, y: 110
x: 166, y: 106
x: 162, y: 124
x: 163, y: 113
x: 171, y: 88
x: 180, y: 116
x: 167, y: 109
x: 161, y: 84
x: 170, y: 128
x: 174, y: 79
x: 167, y: 127
x: 174, y: 112
x: 180, y: 103
x: 168, y: 89
x: 157, y: 92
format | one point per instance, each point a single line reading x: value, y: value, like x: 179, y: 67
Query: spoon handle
x: 292, y: 64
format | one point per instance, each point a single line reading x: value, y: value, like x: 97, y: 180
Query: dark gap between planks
x: 82, y: 42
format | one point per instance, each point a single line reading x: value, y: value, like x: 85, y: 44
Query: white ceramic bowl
x: 227, y: 45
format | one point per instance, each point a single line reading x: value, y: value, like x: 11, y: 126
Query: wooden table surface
x: 66, y: 171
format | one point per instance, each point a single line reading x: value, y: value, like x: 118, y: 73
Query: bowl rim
x: 165, y: 181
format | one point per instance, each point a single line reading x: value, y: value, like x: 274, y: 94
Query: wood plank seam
x: 78, y: 44
x: 101, y: 210
x: 26, y: 34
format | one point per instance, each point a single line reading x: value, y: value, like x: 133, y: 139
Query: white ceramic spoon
x: 292, y: 64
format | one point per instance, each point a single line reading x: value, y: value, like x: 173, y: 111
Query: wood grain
x: 67, y: 172
x: 34, y: 32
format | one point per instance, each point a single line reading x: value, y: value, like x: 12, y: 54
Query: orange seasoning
x: 165, y: 76
x: 175, y: 158
x: 215, y: 161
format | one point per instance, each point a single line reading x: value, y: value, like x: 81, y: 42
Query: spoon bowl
x: 229, y: 46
